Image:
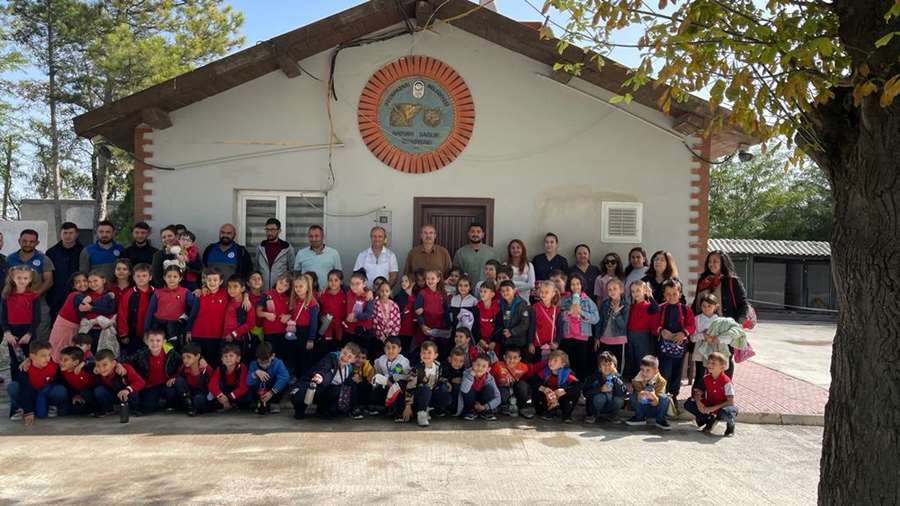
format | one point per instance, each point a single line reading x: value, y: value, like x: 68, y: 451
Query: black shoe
x: 729, y: 430
x: 709, y: 426
x: 299, y: 414
x: 663, y: 424
x: 357, y: 414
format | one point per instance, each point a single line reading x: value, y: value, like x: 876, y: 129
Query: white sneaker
x: 52, y: 412
x: 274, y: 409
x: 422, y: 418
x: 17, y: 416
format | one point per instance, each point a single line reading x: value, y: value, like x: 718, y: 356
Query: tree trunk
x: 7, y: 175
x: 861, y: 445
x: 861, y: 157
x: 52, y: 100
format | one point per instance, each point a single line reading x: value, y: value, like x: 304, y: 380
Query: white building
x: 248, y: 137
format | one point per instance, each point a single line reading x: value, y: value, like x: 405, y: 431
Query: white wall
x: 546, y: 154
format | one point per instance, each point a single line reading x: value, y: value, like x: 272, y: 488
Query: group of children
x: 435, y: 347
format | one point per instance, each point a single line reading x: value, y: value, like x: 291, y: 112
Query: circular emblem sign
x: 416, y: 114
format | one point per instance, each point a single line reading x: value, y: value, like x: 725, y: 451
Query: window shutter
x: 302, y: 212
x: 621, y: 222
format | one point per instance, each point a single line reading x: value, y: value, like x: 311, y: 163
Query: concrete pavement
x: 798, y: 349
x: 262, y: 460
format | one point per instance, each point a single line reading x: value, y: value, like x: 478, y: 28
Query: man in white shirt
x: 378, y: 260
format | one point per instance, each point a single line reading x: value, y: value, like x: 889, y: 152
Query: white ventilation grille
x: 622, y: 222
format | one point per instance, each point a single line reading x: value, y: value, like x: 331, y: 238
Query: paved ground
x: 798, y: 349
x: 255, y: 460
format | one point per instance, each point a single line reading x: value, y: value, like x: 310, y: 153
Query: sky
x: 264, y: 19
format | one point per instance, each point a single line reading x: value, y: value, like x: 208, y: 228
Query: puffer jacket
x: 284, y: 262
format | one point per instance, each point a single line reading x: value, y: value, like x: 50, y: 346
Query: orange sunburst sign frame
x: 416, y: 114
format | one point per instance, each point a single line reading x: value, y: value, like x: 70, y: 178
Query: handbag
x: 742, y: 354
x: 672, y: 410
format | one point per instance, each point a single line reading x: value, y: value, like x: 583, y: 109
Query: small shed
x: 791, y: 275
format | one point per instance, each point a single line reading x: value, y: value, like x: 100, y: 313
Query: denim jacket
x: 589, y: 315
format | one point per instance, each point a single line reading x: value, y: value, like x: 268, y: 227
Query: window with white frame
x: 296, y: 211
x: 621, y: 222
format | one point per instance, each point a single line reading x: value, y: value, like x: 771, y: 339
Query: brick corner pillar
x: 142, y: 151
x: 699, y: 207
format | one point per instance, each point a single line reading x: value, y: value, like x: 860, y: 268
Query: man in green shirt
x: 471, y: 258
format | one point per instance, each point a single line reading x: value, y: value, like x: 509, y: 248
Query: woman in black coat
x: 719, y: 279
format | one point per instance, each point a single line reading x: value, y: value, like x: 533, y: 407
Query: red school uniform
x: 69, y: 310
x: 334, y: 304
x: 274, y: 302
x: 20, y: 307
x: 193, y: 380
x: 133, y: 304
x: 434, y: 312
x: 170, y: 303
x: 356, y: 304
x: 79, y: 381
x: 237, y: 320
x: 94, y: 297
x: 407, y: 314
x: 486, y: 318
x: 210, y: 316
x: 156, y: 370
x: 717, y: 390
x: 544, y: 324
x: 233, y: 383
x: 132, y: 380
x: 39, y: 377
x: 640, y: 319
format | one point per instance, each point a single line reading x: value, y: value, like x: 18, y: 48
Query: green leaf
x: 886, y: 39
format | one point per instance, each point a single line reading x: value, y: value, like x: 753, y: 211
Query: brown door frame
x: 419, y: 203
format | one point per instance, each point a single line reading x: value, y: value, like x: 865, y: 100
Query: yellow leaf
x: 891, y: 90
x: 863, y: 90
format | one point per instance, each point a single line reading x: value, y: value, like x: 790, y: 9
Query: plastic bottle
x: 123, y: 412
x: 310, y: 394
x: 513, y: 406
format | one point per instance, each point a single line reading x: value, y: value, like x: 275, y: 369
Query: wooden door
x: 452, y: 217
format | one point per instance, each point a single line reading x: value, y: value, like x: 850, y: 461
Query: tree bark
x: 861, y: 443
x: 7, y: 174
x: 53, y: 100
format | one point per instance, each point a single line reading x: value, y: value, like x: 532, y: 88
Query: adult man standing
x: 274, y: 256
x: 66, y: 256
x: 428, y: 255
x: 29, y: 256
x: 317, y: 257
x: 471, y: 257
x: 140, y: 251
x: 228, y: 256
x: 378, y: 260
x: 102, y: 254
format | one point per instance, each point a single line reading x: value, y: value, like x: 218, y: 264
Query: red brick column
x: 700, y: 206
x: 142, y: 207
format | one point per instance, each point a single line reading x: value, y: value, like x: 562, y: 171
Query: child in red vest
x: 555, y: 387
x: 78, y: 378
x: 642, y: 319
x: 98, y: 310
x: 255, y: 293
x: 484, y: 330
x: 333, y: 309
x: 20, y: 313
x: 133, y: 304
x: 228, y: 382
x: 157, y: 363
x: 302, y: 348
x: 34, y: 392
x: 238, y: 322
x: 273, y: 310
x: 116, y: 382
x: 172, y: 308
x: 122, y: 275
x: 545, y: 322
x: 65, y: 327
x: 715, y: 400
x: 432, y: 315
x: 360, y: 311
x: 406, y: 301
x: 206, y: 329
x: 190, y: 383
